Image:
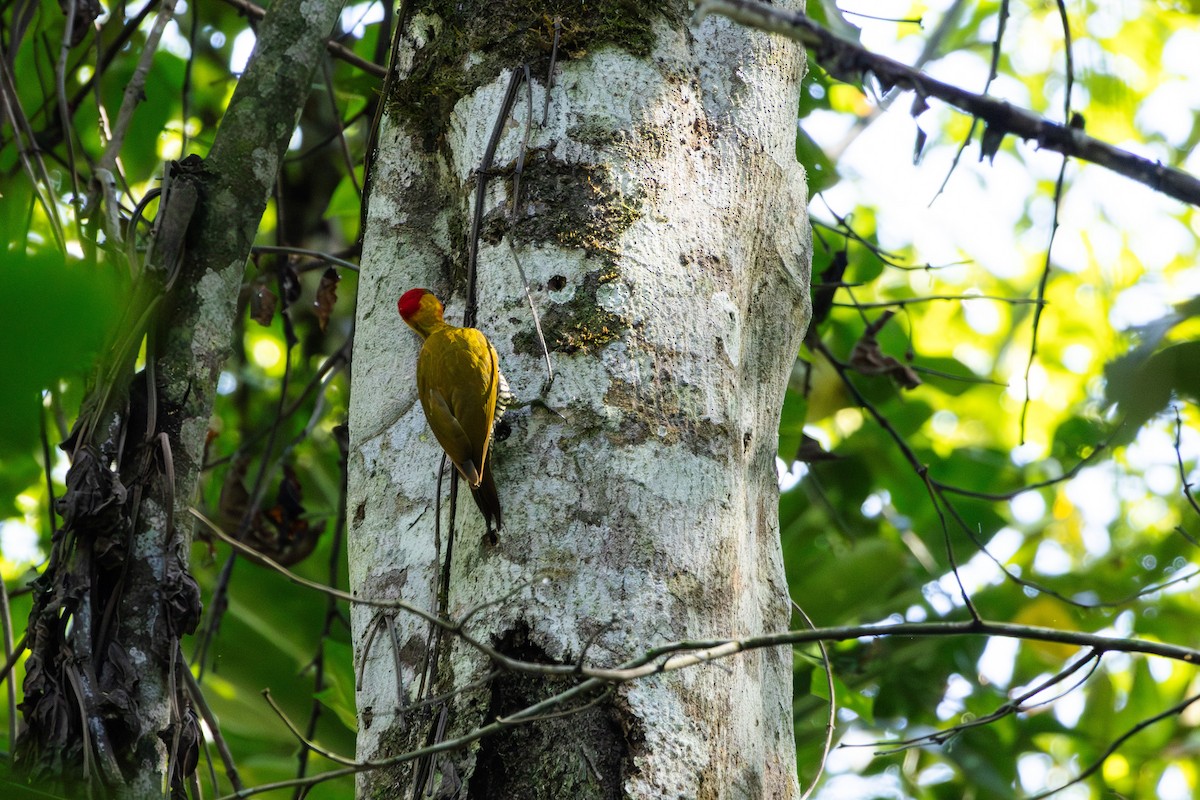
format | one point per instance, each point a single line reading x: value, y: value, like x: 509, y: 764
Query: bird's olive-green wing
x: 457, y: 379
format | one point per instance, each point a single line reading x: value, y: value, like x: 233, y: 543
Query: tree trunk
x: 661, y: 224
x: 104, y: 686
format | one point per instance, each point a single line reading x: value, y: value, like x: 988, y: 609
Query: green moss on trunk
x: 577, y: 206
x: 580, y: 325
x: 504, y: 35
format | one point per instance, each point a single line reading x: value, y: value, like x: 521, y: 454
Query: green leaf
x: 819, y: 169
x: 346, y: 205
x: 1141, y: 383
x: 791, y: 424
x: 839, y: 586
x: 338, y: 696
x: 856, y: 701
x: 947, y: 375
x: 56, y: 317
x: 827, y: 14
x: 1077, y: 438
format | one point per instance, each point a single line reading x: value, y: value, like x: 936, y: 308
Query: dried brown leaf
x: 262, y: 304
x: 326, y: 297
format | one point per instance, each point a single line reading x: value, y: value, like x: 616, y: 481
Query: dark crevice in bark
x: 581, y: 755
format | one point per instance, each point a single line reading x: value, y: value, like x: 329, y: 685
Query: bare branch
x: 847, y: 61
x: 1011, y: 707
x: 907, y: 301
x: 532, y: 712
x: 1095, y: 766
x: 308, y: 743
x: 303, y: 251
x: 135, y: 90
x: 680, y: 655
x: 831, y: 719
x: 1183, y: 478
x: 196, y: 694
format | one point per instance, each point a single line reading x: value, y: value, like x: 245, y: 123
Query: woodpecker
x: 462, y: 393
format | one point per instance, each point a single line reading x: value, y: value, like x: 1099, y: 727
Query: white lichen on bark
x: 651, y: 512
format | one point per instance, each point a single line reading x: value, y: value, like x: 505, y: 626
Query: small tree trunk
x: 661, y: 224
x: 103, y: 685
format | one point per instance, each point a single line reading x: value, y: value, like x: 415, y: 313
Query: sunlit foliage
x: 1075, y: 518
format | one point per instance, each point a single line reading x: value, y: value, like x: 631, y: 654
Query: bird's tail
x: 488, y: 501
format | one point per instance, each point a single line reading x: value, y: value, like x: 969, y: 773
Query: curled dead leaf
x: 868, y: 358
x: 326, y: 297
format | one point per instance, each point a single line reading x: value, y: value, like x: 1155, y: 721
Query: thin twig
x: 950, y: 557
x: 304, y: 251
x: 908, y: 301
x: 481, y: 180
x: 185, y: 90
x: 219, y: 602
x: 10, y: 652
x: 1095, y: 766
x: 444, y: 746
x: 512, y: 213
x: 64, y: 118
x: 1009, y: 708
x: 683, y: 654
x: 13, y: 657
x: 1183, y: 477
x: 308, y: 743
x: 331, y: 614
x: 389, y: 621
x: 333, y: 364
x: 831, y: 719
x: 28, y: 151
x: 336, y: 116
x: 1041, y: 292
x: 550, y: 71
x: 135, y: 89
x: 210, y: 719
x: 370, y: 633
x: 1046, y: 590
x: 844, y: 230
x: 993, y: 73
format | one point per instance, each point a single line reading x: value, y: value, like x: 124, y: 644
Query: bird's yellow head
x: 421, y: 310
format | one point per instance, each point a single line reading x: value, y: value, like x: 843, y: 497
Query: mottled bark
x: 661, y: 223
x: 119, y: 572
